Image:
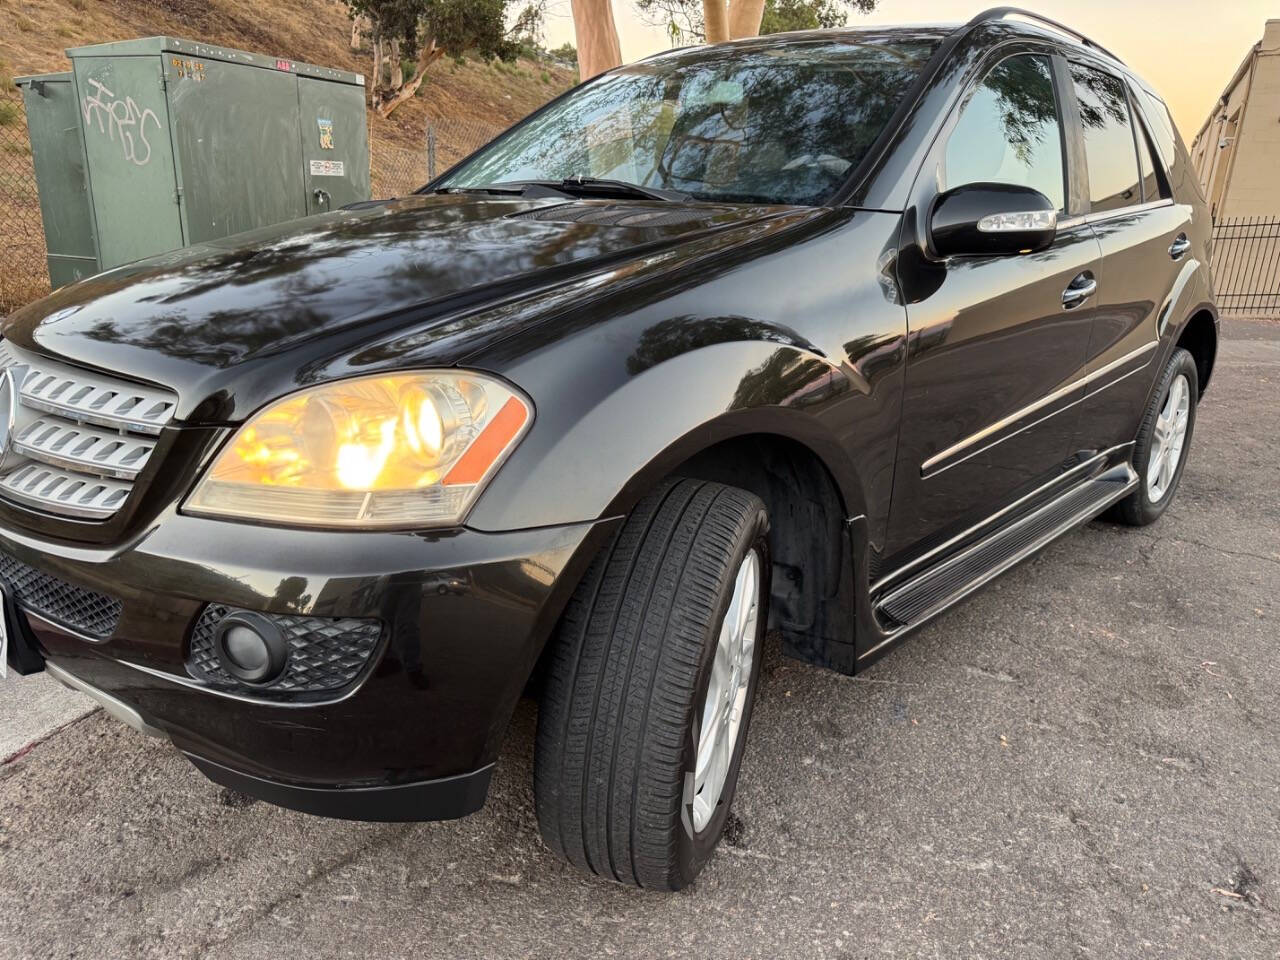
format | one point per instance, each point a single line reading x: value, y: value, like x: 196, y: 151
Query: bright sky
x: 1187, y: 49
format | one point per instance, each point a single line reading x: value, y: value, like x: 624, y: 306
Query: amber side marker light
x: 488, y: 447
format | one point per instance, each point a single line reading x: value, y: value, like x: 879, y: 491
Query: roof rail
x: 999, y: 13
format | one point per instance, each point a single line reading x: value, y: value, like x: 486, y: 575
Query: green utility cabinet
x: 184, y: 143
x: 58, y: 153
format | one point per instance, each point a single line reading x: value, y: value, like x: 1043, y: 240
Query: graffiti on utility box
x: 120, y: 119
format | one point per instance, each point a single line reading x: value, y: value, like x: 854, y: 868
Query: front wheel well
x: 811, y: 602
x: 1200, y: 338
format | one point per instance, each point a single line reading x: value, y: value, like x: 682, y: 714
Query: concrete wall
x: 1242, y: 178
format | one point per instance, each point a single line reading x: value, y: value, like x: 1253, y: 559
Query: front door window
x: 1009, y: 131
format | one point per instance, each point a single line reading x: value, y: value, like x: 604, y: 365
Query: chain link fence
x: 23, y: 270
x: 394, y: 170
x: 397, y: 170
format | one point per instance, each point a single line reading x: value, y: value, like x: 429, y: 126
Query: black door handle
x: 1180, y: 247
x: 1084, y: 286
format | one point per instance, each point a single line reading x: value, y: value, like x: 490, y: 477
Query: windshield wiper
x: 574, y: 187
x: 515, y: 189
x: 619, y: 188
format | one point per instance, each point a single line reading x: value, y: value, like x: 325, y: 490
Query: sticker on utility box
x: 328, y: 168
x: 326, y: 134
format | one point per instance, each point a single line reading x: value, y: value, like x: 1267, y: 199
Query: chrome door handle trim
x: 1078, y: 293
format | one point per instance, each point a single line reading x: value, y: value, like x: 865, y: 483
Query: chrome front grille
x: 89, y: 398
x: 84, y: 449
x: 79, y: 439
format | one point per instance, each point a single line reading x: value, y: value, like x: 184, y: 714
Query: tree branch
x: 428, y: 55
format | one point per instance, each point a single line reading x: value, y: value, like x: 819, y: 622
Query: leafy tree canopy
x: 780, y: 16
x: 453, y: 27
x: 565, y: 53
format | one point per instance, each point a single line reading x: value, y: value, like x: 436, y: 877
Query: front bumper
x: 465, y: 615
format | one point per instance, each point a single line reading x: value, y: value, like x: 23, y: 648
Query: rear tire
x: 637, y: 650
x: 1164, y: 439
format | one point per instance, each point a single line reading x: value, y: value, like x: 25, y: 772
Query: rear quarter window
x: 1161, y: 123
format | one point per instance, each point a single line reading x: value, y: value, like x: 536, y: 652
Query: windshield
x: 783, y: 124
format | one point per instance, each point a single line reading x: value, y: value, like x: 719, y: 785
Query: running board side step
x: 941, y: 586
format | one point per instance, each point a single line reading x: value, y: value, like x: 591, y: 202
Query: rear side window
x: 1161, y: 126
x: 1009, y: 132
x: 1114, y: 181
x: 1150, y: 182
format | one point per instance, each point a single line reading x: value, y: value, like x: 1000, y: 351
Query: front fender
x: 599, y: 444
x: 800, y: 334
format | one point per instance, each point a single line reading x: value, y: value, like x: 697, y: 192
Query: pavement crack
x: 23, y: 751
x: 245, y: 927
x: 1149, y: 549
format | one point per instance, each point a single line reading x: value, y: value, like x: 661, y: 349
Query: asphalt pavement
x: 1083, y: 761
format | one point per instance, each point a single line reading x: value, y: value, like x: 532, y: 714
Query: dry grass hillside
x: 466, y: 102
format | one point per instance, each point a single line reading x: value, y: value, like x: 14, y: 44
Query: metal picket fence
x: 1246, y: 265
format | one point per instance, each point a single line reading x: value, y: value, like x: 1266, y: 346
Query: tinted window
x: 1108, y: 140
x: 1150, y: 183
x: 780, y: 124
x: 1009, y: 132
x: 1161, y: 127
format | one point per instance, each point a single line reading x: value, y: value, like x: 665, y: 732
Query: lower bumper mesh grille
x: 325, y: 653
x: 95, y: 614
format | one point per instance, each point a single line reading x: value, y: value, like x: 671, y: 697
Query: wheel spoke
x: 720, y: 754
x: 707, y: 745
x: 727, y: 689
x: 743, y: 590
x: 729, y: 629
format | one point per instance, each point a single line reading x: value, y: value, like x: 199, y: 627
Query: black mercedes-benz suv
x: 813, y: 333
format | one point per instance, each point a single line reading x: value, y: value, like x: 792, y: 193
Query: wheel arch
x: 1199, y: 337
x: 751, y: 414
x: 811, y: 602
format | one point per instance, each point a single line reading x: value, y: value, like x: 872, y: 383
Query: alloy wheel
x: 1168, y: 439
x: 720, y: 724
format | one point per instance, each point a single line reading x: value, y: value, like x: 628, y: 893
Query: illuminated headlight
x: 399, y: 450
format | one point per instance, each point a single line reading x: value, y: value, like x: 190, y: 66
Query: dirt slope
x: 33, y: 34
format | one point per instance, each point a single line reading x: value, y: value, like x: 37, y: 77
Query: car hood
x: 209, y: 320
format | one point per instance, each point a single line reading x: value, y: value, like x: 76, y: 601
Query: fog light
x: 251, y: 648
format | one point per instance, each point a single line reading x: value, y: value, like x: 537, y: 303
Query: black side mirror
x: 992, y: 220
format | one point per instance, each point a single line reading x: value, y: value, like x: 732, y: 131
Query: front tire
x: 658, y: 650
x: 1163, y: 441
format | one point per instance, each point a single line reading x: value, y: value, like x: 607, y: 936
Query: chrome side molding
x: 938, y: 460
